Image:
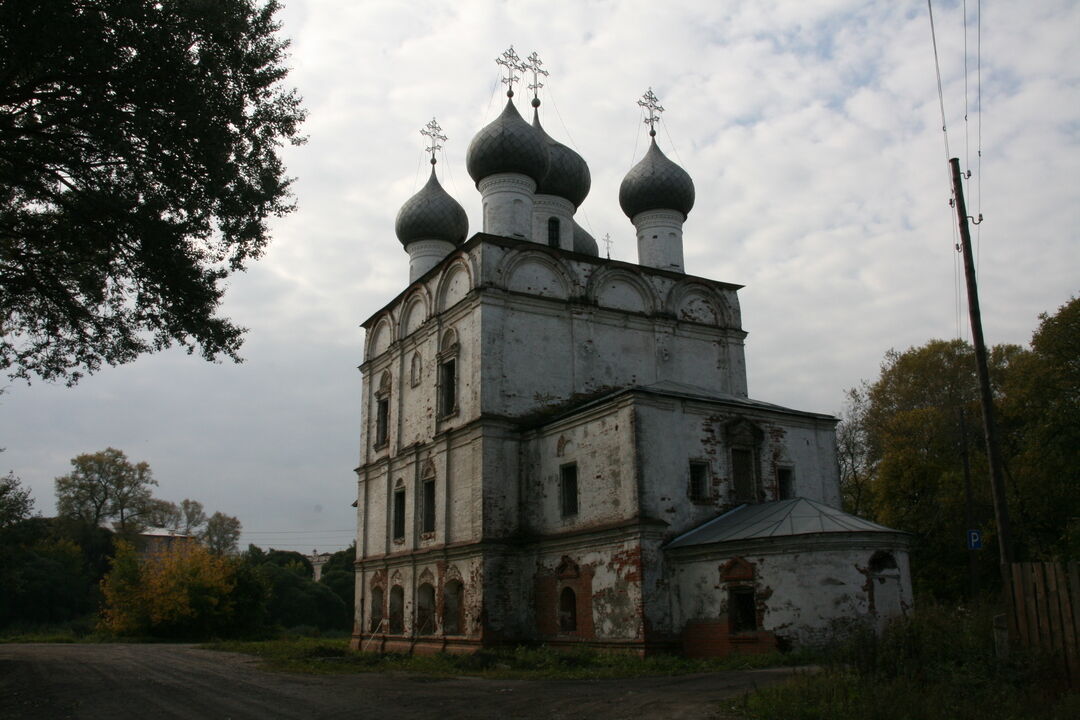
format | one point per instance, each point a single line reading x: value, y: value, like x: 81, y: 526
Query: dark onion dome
x: 584, y: 243
x: 567, y: 176
x: 507, y: 144
x: 431, y: 214
x: 656, y: 183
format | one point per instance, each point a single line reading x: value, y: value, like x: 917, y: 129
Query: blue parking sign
x: 974, y: 539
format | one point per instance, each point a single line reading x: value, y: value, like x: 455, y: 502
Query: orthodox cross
x: 650, y: 102
x: 511, y: 62
x: 607, y: 243
x: 532, y: 64
x: 433, y: 132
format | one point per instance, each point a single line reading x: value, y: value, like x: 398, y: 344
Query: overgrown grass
x: 939, y: 664
x: 80, y: 630
x: 322, y: 655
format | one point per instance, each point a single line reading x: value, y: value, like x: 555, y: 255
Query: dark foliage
x: 139, y: 162
x: 297, y: 600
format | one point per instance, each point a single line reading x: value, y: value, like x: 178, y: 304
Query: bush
x: 186, y: 593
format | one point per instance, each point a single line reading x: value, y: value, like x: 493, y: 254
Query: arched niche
x: 381, y: 337
x: 693, y: 301
x: 537, y: 274
x: 415, y: 314
x: 454, y: 285
x: 622, y: 290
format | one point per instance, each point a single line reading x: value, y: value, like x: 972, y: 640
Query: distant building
x: 158, y: 541
x: 317, y: 560
x: 560, y: 447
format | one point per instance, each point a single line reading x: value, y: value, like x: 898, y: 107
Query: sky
x: 813, y: 134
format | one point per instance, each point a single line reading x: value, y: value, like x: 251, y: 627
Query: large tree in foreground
x: 139, y: 162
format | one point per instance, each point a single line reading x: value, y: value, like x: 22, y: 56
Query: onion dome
x: 567, y: 176
x: 507, y: 144
x: 584, y: 243
x: 431, y: 214
x: 656, y: 183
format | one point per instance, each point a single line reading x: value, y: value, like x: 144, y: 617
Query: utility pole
x: 993, y: 454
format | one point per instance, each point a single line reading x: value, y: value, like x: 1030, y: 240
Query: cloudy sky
x: 812, y: 130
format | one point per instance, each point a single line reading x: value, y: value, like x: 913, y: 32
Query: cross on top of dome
x: 433, y: 132
x: 650, y: 102
x: 512, y: 62
x: 532, y: 64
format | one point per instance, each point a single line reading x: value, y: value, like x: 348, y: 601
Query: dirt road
x: 181, y: 681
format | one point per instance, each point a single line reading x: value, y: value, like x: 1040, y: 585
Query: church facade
x: 559, y: 447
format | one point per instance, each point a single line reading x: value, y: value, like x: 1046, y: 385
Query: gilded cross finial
x: 532, y: 64
x: 650, y: 102
x: 433, y: 133
x: 512, y: 63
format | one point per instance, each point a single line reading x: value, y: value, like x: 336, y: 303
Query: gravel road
x: 182, y: 681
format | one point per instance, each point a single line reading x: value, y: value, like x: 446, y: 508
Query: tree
x: 106, y: 486
x: 192, y: 517
x: 222, y: 534
x: 139, y: 163
x: 15, y: 501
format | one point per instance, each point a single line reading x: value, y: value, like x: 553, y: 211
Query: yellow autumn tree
x: 186, y: 592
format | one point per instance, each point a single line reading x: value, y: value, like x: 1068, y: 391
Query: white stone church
x: 560, y: 448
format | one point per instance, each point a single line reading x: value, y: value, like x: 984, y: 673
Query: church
x: 560, y: 448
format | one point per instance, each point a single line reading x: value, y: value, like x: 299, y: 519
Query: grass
x: 323, y: 655
x: 939, y: 664
x: 80, y: 630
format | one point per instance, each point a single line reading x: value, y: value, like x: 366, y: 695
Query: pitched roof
x: 782, y: 518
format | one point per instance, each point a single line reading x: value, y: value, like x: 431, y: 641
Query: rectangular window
x: 399, y: 514
x: 382, y: 420
x: 742, y: 610
x: 448, y: 387
x: 742, y: 468
x: 699, y: 481
x: 785, y: 483
x: 568, y: 490
x: 429, y: 506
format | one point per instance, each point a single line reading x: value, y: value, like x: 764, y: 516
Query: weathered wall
x: 802, y: 589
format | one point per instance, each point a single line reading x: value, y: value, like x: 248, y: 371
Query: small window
x: 382, y: 420
x: 567, y: 610
x: 399, y: 514
x: 397, y: 610
x: 699, y: 481
x: 416, y: 370
x: 568, y: 490
x: 428, y: 501
x: 448, y: 386
x: 553, y: 232
x: 377, y: 610
x: 425, y: 610
x: 785, y: 483
x: 742, y: 609
x: 453, y: 608
x: 742, y: 468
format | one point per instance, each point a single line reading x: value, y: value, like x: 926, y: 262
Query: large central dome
x: 507, y: 145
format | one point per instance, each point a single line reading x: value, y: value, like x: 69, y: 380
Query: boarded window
x: 428, y: 501
x: 699, y: 481
x: 376, y: 609
x: 553, y: 232
x: 397, y: 610
x: 448, y: 386
x: 453, y: 608
x: 425, y: 610
x: 567, y: 610
x: 568, y: 490
x: 742, y: 609
x: 399, y: 514
x: 785, y: 483
x: 742, y: 468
